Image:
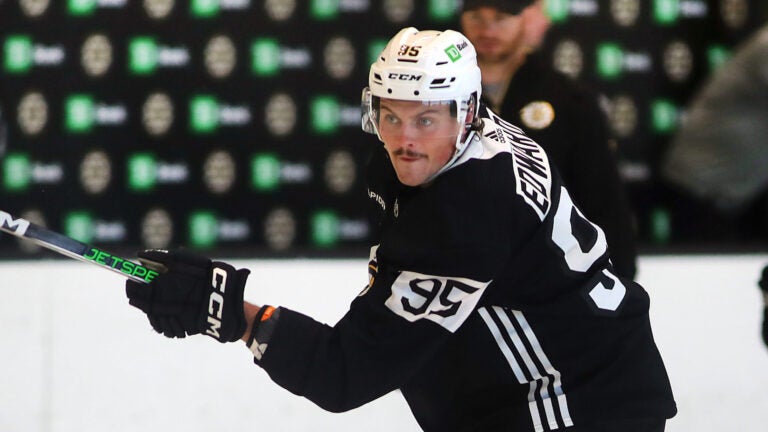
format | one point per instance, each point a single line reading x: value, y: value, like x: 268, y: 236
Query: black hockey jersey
x: 492, y: 305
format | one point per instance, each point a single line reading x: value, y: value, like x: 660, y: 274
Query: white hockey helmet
x: 427, y: 66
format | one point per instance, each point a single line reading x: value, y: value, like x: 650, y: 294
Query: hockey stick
x: 72, y: 248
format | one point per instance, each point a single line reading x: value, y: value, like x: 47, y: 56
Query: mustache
x: 408, y: 153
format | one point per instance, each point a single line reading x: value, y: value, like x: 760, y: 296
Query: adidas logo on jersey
x: 496, y: 136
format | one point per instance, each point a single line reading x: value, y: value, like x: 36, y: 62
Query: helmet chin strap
x: 462, y: 141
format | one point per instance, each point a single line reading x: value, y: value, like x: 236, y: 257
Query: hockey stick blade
x: 72, y: 248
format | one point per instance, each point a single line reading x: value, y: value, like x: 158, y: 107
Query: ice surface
x: 77, y: 358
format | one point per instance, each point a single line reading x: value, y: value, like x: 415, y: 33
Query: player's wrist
x: 249, y: 311
x: 261, y: 330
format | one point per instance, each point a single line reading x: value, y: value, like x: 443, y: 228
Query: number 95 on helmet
x: 429, y: 66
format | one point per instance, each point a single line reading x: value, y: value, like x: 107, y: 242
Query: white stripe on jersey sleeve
x: 551, y: 374
x: 496, y: 332
x: 558, y: 386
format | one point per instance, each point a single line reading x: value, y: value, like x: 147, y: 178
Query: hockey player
x: 492, y: 303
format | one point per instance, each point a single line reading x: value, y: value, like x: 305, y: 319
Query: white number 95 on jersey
x: 446, y: 301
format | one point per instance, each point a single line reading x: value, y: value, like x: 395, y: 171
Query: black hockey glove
x: 764, y: 287
x: 194, y: 295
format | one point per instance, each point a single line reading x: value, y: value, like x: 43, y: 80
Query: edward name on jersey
x: 517, y: 323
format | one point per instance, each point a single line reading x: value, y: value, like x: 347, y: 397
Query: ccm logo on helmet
x: 404, y: 77
x: 216, y: 301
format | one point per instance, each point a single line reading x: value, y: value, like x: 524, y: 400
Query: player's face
x: 496, y: 35
x: 420, y: 138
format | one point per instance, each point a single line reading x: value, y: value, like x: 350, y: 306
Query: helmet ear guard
x: 368, y: 112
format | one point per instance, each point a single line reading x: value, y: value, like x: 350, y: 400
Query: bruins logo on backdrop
x: 537, y: 115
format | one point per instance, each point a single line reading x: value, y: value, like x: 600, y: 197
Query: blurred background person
x: 719, y: 158
x: 720, y: 154
x: 563, y: 116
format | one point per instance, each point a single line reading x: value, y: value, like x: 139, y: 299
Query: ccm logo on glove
x: 216, y: 301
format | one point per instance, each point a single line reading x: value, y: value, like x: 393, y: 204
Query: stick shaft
x: 72, y: 248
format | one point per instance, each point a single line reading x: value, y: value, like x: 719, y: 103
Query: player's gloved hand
x: 194, y: 295
x: 764, y: 287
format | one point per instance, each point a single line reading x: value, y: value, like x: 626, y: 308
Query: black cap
x: 512, y: 7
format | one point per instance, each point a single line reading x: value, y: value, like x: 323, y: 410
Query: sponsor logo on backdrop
x: 327, y: 114
x: 206, y: 229
x: 146, y: 55
x: 83, y: 226
x: 83, y: 8
x: 212, y: 8
x: 21, y: 54
x: 328, y: 228
x: 665, y: 115
x: 83, y: 113
x: 20, y: 171
x: 268, y: 172
x: 207, y: 114
x: 613, y: 61
x: 145, y: 172
x: 269, y: 57
x: 670, y: 12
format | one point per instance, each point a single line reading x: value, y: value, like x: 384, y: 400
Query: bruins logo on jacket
x: 537, y: 115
